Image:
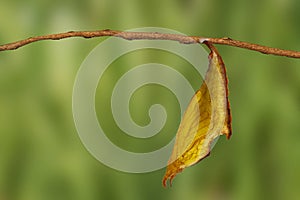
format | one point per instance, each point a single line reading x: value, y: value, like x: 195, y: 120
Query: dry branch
x: 153, y: 36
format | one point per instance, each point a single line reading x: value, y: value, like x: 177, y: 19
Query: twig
x: 153, y: 36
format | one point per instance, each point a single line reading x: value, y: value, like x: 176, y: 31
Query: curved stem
x: 153, y: 36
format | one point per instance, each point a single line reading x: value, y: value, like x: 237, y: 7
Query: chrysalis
x: 206, y: 118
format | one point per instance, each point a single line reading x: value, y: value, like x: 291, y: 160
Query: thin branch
x: 153, y: 36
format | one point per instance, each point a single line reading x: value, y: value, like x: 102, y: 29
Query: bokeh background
x: 41, y: 155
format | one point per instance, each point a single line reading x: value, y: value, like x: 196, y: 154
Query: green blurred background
x: 41, y: 155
